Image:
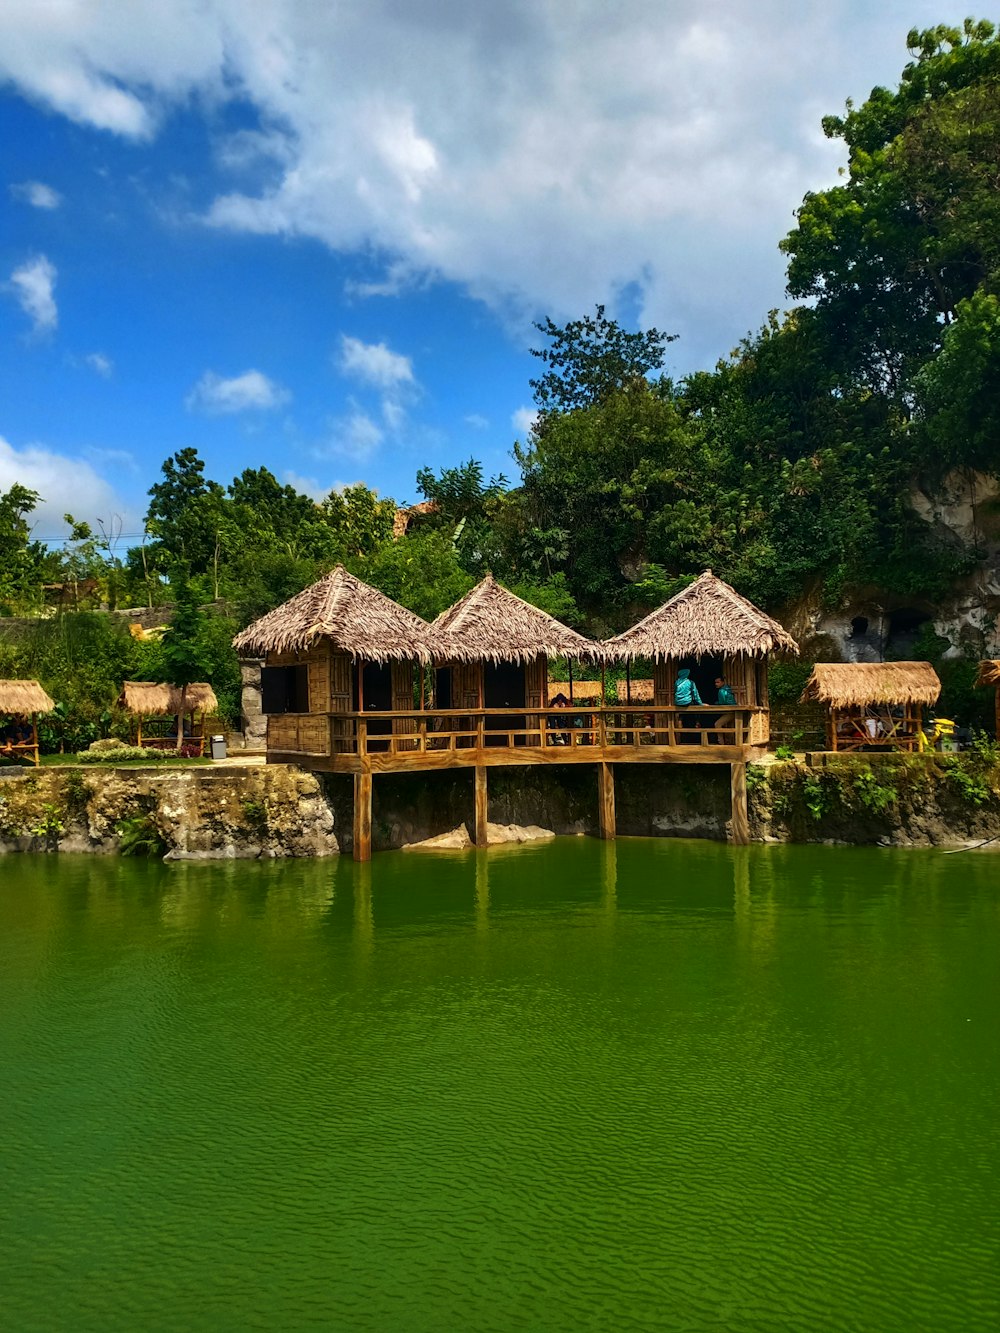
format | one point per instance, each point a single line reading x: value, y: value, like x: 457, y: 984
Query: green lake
x: 578, y: 1086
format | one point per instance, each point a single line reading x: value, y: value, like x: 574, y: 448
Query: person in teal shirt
x: 723, y: 692
x: 685, y: 694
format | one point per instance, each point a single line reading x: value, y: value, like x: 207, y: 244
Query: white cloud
x: 66, y: 485
x: 523, y: 420
x: 306, y: 486
x: 355, y: 435
x: 544, y: 156
x: 37, y: 194
x: 100, y: 364
x: 33, y: 284
x: 252, y: 391
x: 374, y: 363
x: 477, y: 421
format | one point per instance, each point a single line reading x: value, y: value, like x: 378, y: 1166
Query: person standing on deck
x: 686, y: 694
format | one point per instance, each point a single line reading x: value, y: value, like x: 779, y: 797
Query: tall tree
x: 591, y: 358
x: 182, y: 650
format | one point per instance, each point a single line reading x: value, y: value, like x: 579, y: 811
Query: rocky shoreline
x: 280, y: 810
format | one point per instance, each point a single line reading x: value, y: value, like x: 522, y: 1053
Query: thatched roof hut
x: 357, y: 619
x: 843, y: 685
x: 706, y: 619
x: 582, y: 691
x: 143, y: 698
x: 491, y: 624
x: 21, y: 698
x: 989, y: 673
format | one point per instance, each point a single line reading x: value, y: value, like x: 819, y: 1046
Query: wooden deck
x: 411, y: 741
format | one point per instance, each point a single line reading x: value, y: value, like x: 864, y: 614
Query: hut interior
x: 873, y: 705
x: 161, y: 712
x: 21, y: 702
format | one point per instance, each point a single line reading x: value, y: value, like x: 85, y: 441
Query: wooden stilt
x: 740, y: 826
x: 481, y: 806
x: 363, y: 815
x: 606, y: 800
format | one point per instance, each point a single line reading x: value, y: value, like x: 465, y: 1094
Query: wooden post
x: 34, y: 736
x: 481, y: 806
x: 363, y: 815
x: 606, y: 800
x: 740, y: 828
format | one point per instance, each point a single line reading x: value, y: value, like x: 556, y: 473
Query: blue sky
x: 315, y: 237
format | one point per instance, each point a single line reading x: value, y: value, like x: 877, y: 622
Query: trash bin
x: 218, y: 747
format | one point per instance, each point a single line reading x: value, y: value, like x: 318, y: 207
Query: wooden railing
x: 417, y: 732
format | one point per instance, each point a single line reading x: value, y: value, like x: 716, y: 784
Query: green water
x: 581, y: 1087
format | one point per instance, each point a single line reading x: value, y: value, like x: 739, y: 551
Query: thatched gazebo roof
x: 357, y: 619
x: 21, y: 698
x: 989, y: 673
x: 706, y: 619
x: 583, y: 691
x: 491, y: 624
x: 144, y: 698
x: 857, y: 684
x: 634, y: 691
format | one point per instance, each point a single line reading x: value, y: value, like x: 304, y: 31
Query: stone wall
x: 195, y: 813
x: 892, y: 800
x: 280, y: 810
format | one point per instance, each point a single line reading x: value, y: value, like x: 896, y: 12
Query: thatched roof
x: 706, y: 619
x: 855, y: 684
x: 356, y: 618
x: 144, y: 698
x: 989, y: 673
x: 20, y: 698
x: 583, y: 691
x: 491, y: 624
x: 635, y: 691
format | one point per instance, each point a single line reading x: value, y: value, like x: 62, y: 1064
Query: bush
x: 118, y: 754
x: 139, y: 836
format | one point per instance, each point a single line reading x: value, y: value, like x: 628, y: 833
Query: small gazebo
x: 157, y: 707
x: 493, y: 650
x: 21, y: 701
x: 989, y: 675
x: 873, y: 705
x: 339, y: 647
x: 712, y: 631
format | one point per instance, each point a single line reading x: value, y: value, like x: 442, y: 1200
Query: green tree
x: 888, y: 255
x: 186, y: 515
x: 588, y: 359
x: 182, y: 651
x: 21, y: 559
x: 359, y: 519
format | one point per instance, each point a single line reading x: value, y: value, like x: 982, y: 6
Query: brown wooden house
x: 334, y: 653
x: 712, y: 631
x: 493, y: 652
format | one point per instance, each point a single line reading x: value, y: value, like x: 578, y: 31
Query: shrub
x: 120, y: 753
x: 139, y: 836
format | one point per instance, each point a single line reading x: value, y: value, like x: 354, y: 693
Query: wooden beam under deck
x: 440, y: 760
